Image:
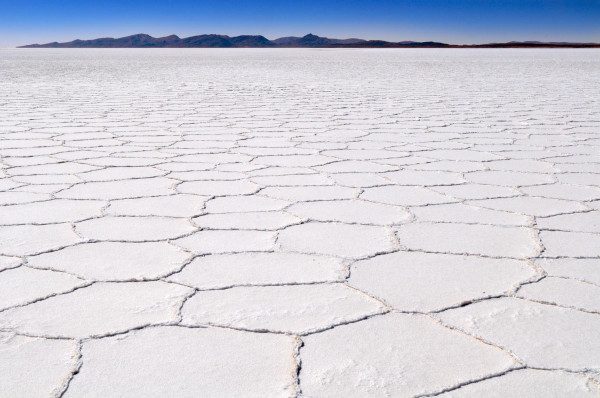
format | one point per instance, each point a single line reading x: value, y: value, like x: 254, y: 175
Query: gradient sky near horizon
x: 450, y: 21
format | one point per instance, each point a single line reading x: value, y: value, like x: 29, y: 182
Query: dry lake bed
x: 299, y: 223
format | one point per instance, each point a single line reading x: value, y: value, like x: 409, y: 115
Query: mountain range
x: 257, y: 41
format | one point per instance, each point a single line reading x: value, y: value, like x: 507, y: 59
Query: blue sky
x: 450, y: 21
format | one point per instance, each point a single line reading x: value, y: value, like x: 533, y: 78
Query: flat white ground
x: 316, y: 223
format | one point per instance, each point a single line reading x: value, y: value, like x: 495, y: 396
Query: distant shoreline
x: 258, y: 41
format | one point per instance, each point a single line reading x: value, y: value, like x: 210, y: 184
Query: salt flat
x: 286, y: 223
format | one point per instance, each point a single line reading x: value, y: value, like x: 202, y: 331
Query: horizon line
x: 352, y: 42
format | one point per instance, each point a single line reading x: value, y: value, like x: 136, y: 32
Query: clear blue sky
x: 450, y: 21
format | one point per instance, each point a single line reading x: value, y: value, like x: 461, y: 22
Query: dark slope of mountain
x: 143, y: 41
x: 204, y: 41
x: 348, y: 41
x: 311, y: 40
x: 286, y: 41
x: 252, y: 41
x: 139, y: 40
x: 308, y: 41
